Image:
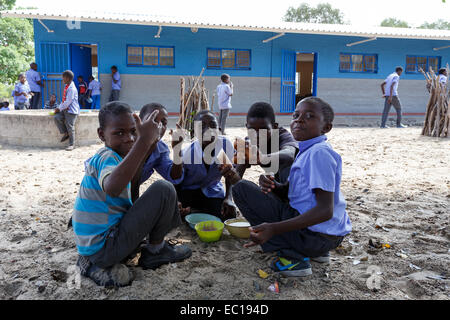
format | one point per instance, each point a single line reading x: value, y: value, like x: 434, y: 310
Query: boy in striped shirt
x: 108, y: 225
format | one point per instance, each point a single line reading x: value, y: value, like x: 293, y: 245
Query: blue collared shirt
x: 195, y: 174
x: 160, y: 161
x: 71, y: 103
x: 318, y: 166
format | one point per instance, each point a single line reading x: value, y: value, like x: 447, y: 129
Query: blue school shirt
x: 71, y: 102
x: 21, y: 87
x: 195, y: 174
x: 160, y: 161
x: 94, y: 211
x: 318, y: 166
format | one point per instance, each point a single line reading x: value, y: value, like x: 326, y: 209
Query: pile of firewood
x: 437, y: 119
x: 193, y: 98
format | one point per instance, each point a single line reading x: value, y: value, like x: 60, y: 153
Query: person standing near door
x: 94, y: 92
x: 82, y: 92
x: 390, y: 95
x: 224, y: 93
x: 35, y: 84
x: 115, y: 84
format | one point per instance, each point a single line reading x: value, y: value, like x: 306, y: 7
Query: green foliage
x: 395, y: 23
x: 7, y: 4
x: 323, y: 13
x: 5, y: 93
x: 16, y: 48
x: 438, y: 25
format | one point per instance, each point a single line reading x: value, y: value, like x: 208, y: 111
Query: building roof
x: 216, y: 23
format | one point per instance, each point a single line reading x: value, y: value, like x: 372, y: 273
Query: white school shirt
x: 224, y: 93
x: 442, y: 79
x: 95, y: 86
x: 116, y: 86
x: 32, y: 78
x: 391, y: 80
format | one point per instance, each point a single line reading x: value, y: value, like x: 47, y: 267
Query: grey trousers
x: 115, y: 95
x: 258, y: 208
x: 387, y: 107
x: 153, y: 215
x: 65, y: 122
x: 223, y: 119
x: 35, y: 100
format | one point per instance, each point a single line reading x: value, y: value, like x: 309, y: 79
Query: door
x: 288, y: 69
x: 81, y: 62
x: 54, y: 60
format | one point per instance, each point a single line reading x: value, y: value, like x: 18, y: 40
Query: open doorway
x: 84, y: 62
x: 305, y: 79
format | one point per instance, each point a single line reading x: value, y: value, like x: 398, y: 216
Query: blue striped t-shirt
x: 95, y: 212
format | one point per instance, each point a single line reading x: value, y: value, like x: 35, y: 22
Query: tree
x: 395, y: 23
x: 16, y: 45
x: 323, y: 13
x: 439, y: 25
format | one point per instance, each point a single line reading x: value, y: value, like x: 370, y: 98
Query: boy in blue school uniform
x: 314, y: 220
x: 201, y: 188
x: 108, y: 225
x: 158, y: 157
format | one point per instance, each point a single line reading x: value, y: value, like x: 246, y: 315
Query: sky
x: 356, y: 12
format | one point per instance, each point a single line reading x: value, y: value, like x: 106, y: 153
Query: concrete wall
x: 36, y: 128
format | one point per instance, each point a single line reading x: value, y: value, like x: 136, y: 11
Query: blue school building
x: 279, y: 64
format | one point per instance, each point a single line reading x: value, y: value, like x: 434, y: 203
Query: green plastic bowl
x: 195, y: 218
x: 209, y: 235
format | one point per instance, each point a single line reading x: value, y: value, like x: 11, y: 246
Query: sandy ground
x: 395, y: 181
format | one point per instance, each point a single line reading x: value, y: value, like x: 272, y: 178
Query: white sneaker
x: 69, y: 148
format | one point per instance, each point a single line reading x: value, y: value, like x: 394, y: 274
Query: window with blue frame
x: 228, y: 59
x: 150, y: 56
x: 413, y: 63
x: 351, y: 62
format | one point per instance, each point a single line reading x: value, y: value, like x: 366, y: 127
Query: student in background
x: 116, y: 84
x: 442, y: 76
x: 4, y: 106
x: 51, y: 104
x: 95, y: 88
x: 390, y: 95
x: 35, y: 84
x: 82, y: 92
x: 66, y: 114
x: 224, y: 93
x: 22, y: 93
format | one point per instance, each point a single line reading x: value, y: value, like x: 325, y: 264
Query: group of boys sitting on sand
x: 297, y: 211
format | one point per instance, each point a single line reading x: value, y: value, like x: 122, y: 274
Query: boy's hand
x: 228, y: 209
x: 148, y: 129
x: 228, y: 172
x: 268, y: 183
x: 178, y: 136
x: 183, y: 211
x: 260, y: 234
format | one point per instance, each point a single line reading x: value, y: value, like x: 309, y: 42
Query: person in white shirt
x: 22, y: 93
x: 390, y: 95
x: 35, y: 84
x: 67, y: 112
x: 94, y: 89
x: 116, y: 84
x: 224, y: 93
x: 442, y: 76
